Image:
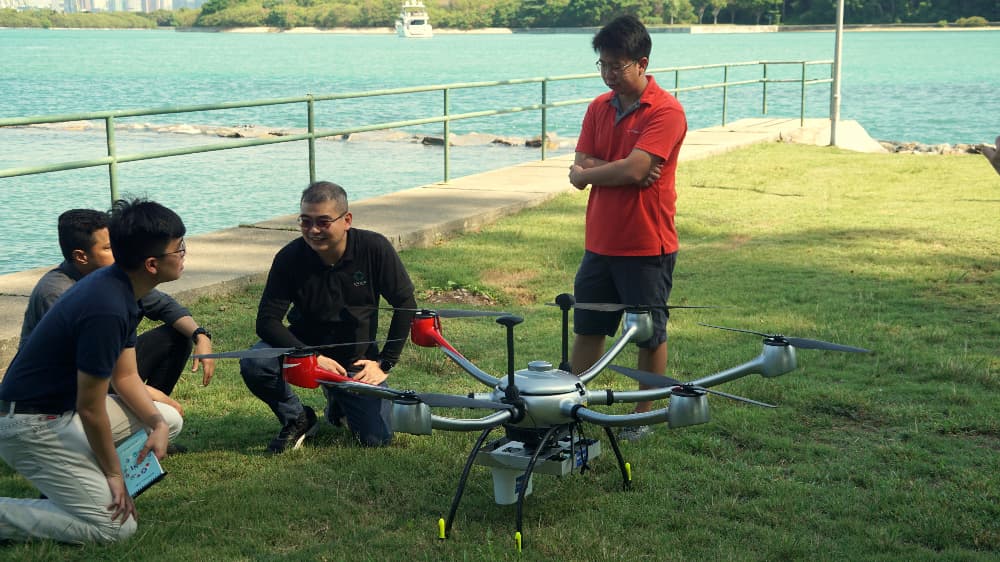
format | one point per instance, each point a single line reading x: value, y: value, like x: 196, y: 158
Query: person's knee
x: 173, y: 418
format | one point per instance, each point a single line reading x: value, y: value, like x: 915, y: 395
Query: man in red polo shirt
x: 627, y: 152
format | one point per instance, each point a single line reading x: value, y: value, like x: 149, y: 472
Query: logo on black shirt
x: 359, y: 279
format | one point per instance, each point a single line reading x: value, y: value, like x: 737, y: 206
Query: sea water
x: 930, y: 87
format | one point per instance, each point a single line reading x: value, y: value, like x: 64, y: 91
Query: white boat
x: 413, y: 20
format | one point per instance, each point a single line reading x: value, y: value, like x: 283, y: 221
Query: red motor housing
x: 425, y: 331
x: 302, y: 369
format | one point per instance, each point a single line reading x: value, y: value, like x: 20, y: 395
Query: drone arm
x: 596, y: 368
x: 774, y: 361
x: 455, y: 424
x: 612, y: 420
x: 467, y: 365
x: 608, y: 397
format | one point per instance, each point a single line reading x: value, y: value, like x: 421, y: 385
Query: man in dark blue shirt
x: 54, y: 424
x: 333, y: 278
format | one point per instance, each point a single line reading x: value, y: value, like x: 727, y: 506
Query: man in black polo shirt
x: 333, y: 278
x: 54, y: 424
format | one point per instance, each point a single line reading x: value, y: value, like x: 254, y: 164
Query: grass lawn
x: 892, y: 455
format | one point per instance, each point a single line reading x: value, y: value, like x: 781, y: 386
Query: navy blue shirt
x: 85, y: 330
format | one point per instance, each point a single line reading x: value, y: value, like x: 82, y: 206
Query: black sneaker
x: 294, y: 433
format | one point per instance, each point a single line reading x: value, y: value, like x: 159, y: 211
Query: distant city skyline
x: 72, y: 6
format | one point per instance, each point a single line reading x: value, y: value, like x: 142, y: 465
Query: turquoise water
x: 932, y: 87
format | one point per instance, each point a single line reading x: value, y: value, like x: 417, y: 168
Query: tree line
x: 471, y: 14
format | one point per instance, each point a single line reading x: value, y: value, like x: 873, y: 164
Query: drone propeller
x: 801, y: 343
x: 442, y: 313
x: 660, y: 381
x: 618, y: 307
x: 269, y: 352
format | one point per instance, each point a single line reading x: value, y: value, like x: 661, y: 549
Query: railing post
x: 311, y: 117
x: 447, y: 134
x: 725, y: 92
x: 763, y: 107
x: 802, y: 107
x: 677, y: 84
x: 545, y: 100
x: 109, y: 134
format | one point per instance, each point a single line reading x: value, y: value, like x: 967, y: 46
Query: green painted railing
x: 113, y: 159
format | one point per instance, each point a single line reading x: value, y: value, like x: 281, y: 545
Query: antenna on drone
x: 565, y: 302
x: 510, y: 321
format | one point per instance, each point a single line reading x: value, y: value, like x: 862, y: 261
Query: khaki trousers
x: 53, y: 453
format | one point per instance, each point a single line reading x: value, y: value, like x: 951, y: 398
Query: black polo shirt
x: 336, y: 304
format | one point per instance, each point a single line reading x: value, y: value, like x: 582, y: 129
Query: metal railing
x: 113, y: 158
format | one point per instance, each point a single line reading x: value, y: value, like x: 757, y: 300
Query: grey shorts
x: 625, y: 280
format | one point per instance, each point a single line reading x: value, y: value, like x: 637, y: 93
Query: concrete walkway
x: 219, y: 261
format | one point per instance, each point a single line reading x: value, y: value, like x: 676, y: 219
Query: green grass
x: 887, y: 456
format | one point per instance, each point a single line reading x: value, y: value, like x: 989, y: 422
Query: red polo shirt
x: 628, y: 220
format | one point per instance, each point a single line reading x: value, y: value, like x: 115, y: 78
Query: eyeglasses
x: 181, y: 252
x: 321, y: 223
x: 612, y: 68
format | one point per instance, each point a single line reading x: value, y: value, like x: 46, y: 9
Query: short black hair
x: 77, y: 228
x: 140, y: 229
x: 320, y: 191
x: 624, y: 36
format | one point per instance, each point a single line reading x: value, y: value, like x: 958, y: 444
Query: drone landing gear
x: 558, y: 451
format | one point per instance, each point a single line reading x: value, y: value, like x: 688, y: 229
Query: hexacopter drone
x: 542, y: 409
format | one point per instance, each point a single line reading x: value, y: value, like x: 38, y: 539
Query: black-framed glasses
x: 321, y: 223
x: 181, y: 251
x: 612, y: 68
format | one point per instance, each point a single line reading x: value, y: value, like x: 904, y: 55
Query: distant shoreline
x: 691, y: 29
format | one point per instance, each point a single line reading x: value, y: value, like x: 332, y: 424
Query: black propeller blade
x: 617, y: 307
x: 448, y: 400
x: 442, y: 313
x: 269, y: 352
x: 801, y: 343
x: 660, y: 381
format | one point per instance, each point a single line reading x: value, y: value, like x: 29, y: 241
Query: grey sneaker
x: 634, y: 433
x: 294, y: 433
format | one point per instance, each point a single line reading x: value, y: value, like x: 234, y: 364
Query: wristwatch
x: 386, y: 365
x: 200, y: 330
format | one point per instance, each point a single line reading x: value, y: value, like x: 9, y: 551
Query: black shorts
x: 625, y: 280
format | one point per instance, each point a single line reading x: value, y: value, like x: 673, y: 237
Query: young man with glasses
x: 627, y: 152
x: 55, y: 427
x: 162, y: 352
x: 333, y: 278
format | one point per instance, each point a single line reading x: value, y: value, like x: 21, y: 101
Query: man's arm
x: 634, y: 169
x: 127, y: 384
x: 91, y: 396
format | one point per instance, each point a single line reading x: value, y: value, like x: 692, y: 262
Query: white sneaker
x: 634, y: 433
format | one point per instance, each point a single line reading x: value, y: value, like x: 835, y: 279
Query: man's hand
x: 204, y: 346
x: 370, y: 372
x: 325, y: 362
x: 575, y: 171
x: 122, y: 507
x: 654, y: 173
x: 156, y: 442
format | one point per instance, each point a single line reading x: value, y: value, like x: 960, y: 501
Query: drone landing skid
x: 559, y: 452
